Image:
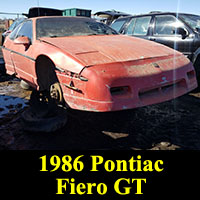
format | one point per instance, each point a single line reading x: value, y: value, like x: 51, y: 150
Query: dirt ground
x: 170, y: 125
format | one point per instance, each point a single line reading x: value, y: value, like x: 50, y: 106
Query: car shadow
x: 169, y: 125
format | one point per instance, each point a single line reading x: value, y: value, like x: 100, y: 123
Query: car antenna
x: 38, y: 4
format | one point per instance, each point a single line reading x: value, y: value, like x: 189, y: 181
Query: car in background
x: 86, y: 65
x: 109, y: 16
x: 176, y: 30
x: 11, y: 28
x: 41, y: 11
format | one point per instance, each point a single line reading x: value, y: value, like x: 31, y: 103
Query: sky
x: 128, y: 6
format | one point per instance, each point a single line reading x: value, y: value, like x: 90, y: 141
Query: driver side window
x: 166, y: 25
x: 13, y: 34
x: 26, y: 30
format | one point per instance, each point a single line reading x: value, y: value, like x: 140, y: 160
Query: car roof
x: 155, y: 13
x: 41, y: 11
x: 112, y: 13
x: 77, y: 17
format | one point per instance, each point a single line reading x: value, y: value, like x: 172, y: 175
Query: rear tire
x: 32, y: 123
x: 43, y: 115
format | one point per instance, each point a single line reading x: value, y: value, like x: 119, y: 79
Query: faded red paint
x: 95, y: 50
x: 149, y: 72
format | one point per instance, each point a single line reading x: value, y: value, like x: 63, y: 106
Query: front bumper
x: 148, y: 85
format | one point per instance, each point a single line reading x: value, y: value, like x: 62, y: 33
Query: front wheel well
x: 45, y: 72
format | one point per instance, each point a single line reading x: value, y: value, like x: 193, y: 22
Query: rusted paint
x: 93, y: 50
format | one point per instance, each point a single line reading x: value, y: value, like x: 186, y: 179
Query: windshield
x: 192, y: 20
x: 70, y: 26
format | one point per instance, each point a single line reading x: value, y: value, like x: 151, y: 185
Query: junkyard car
x: 109, y: 16
x: 178, y: 31
x: 90, y: 67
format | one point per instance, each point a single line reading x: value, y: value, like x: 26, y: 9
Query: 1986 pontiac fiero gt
x: 90, y: 67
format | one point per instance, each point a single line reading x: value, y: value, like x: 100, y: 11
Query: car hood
x: 95, y: 50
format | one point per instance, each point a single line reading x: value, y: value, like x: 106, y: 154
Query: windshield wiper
x: 53, y: 36
x: 92, y: 34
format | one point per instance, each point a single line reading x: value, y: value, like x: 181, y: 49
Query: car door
x: 7, y: 51
x: 21, y: 54
x: 166, y: 30
x: 139, y: 27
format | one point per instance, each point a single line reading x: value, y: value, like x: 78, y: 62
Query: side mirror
x: 183, y: 32
x: 22, y: 40
x: 6, y: 33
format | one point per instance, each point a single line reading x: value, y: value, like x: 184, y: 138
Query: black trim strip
x: 59, y: 69
x: 18, y: 53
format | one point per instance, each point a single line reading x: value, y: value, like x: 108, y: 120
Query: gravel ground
x: 170, y: 125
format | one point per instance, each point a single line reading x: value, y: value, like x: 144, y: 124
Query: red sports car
x: 88, y: 66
